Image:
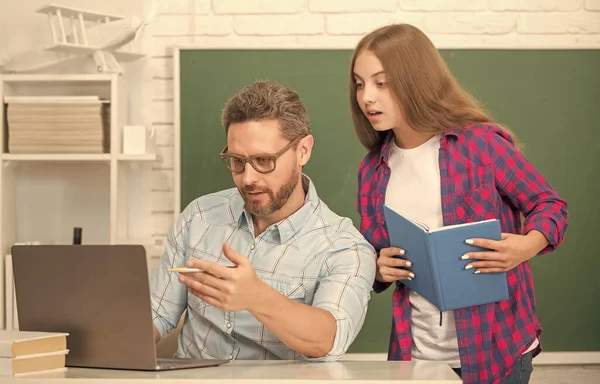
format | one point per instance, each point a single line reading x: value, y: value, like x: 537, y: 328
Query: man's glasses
x: 263, y: 163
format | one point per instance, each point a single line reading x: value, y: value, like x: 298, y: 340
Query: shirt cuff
x: 344, y: 336
x: 379, y: 287
x: 546, y: 227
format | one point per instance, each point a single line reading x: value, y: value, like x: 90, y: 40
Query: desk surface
x: 254, y: 372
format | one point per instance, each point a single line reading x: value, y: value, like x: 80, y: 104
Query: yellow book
x: 20, y: 343
x: 27, y: 364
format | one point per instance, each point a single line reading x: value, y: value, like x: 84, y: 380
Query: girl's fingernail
x: 477, y: 271
x: 469, y: 241
x: 408, y: 263
x: 465, y: 256
x: 411, y: 274
x: 469, y: 266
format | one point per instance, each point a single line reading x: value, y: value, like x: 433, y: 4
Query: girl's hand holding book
x: 392, y: 267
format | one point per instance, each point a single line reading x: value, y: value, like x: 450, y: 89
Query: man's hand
x: 505, y: 254
x: 308, y: 330
x: 388, y: 266
x: 229, y: 289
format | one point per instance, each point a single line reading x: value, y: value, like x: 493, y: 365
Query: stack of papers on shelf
x: 26, y: 353
x: 58, y: 124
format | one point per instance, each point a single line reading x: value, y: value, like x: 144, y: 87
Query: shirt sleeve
x: 365, y: 222
x: 521, y: 183
x: 168, y: 297
x: 345, y: 292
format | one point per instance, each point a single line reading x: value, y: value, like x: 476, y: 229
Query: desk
x: 255, y: 372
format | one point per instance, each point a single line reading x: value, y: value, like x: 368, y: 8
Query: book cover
x: 20, y: 343
x: 33, y: 363
x: 440, y: 274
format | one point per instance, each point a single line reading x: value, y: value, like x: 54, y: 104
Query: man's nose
x: 250, y: 175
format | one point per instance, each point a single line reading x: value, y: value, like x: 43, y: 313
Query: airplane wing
x: 74, y: 49
x: 81, y: 50
x: 74, y: 12
x: 34, y: 60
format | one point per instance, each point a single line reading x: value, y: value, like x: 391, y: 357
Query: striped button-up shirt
x: 482, y: 176
x: 313, y: 257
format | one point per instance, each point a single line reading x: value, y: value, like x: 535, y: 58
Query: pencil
x: 184, y: 270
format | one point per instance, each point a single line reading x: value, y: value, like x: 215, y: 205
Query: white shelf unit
x: 44, y: 196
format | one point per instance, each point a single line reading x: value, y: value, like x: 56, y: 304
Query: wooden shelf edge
x: 76, y: 157
x: 141, y: 157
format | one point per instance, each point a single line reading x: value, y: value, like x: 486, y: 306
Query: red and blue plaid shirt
x: 483, y: 176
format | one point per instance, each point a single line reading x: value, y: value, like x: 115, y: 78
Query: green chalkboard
x: 549, y: 98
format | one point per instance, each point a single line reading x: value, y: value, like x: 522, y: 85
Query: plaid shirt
x: 313, y: 257
x: 483, y: 176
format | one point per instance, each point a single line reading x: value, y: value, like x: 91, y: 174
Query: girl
x: 436, y: 156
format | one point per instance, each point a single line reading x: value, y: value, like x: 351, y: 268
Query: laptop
x: 100, y: 296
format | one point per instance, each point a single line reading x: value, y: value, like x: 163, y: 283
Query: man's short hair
x: 268, y: 100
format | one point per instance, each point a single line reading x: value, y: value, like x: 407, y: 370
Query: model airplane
x: 79, y: 33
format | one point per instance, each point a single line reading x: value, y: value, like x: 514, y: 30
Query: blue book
x: 440, y: 274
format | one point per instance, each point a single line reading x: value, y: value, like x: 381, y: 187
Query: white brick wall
x: 164, y: 134
x: 265, y: 25
x: 341, y: 23
x: 346, y: 6
x: 181, y: 25
x: 162, y: 111
x: 469, y: 23
x: 555, y: 23
x: 162, y: 89
x: 592, y: 5
x: 258, y: 6
x: 162, y: 180
x: 535, y: 5
x: 162, y: 67
x: 443, y: 5
x: 358, y: 24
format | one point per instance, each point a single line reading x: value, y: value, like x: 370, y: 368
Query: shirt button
x: 228, y: 325
x: 230, y: 357
x: 251, y: 246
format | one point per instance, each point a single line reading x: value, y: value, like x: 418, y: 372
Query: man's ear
x: 305, y: 149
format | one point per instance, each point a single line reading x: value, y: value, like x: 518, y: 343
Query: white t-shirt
x: 414, y: 191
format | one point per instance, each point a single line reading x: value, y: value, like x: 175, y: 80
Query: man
x: 283, y: 276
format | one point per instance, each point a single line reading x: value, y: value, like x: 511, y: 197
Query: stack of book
x: 57, y: 124
x: 26, y: 353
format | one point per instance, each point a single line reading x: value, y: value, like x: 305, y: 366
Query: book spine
x: 434, y: 267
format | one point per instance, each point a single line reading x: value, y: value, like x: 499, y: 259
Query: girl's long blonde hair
x: 430, y: 98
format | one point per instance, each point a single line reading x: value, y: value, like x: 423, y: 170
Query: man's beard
x: 275, y: 202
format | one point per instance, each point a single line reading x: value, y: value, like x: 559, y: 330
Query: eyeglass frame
x: 224, y: 154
